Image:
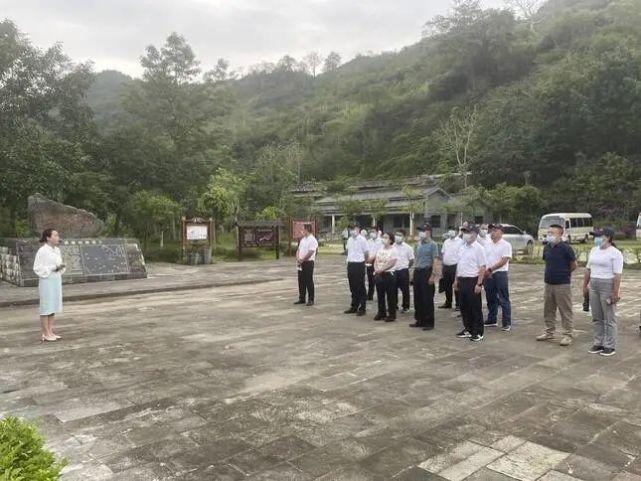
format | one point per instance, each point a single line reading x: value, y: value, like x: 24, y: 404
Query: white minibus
x: 576, y: 226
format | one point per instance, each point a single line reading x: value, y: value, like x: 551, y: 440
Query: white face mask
x: 422, y: 235
x: 451, y: 234
x: 372, y: 235
x: 467, y: 237
x: 483, y: 232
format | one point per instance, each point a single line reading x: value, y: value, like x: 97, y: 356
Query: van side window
x: 582, y: 222
x: 588, y: 222
x: 575, y: 222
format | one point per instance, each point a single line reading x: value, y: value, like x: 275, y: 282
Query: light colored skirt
x: 50, y: 289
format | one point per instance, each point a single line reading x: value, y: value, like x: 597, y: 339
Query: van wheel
x: 529, y: 250
x: 585, y: 240
x: 569, y: 239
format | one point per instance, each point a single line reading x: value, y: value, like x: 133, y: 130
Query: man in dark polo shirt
x: 560, y: 262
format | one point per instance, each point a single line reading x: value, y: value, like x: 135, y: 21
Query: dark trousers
x: 449, y: 276
x: 370, y: 283
x: 471, y: 305
x: 497, y: 293
x: 306, y: 281
x: 403, y: 284
x: 386, y: 291
x: 423, y: 297
x: 356, y: 278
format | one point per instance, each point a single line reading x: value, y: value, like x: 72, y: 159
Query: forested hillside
x: 541, y: 109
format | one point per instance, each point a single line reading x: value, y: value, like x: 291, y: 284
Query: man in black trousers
x: 470, y: 273
x: 427, y: 271
x: 357, y: 253
x: 450, y: 252
x: 305, y: 257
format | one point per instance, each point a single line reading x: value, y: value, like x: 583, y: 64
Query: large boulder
x: 68, y: 221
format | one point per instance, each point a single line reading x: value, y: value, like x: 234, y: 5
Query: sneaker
x: 546, y: 336
x: 506, y: 328
x: 360, y: 313
x: 310, y: 303
x: 476, y: 338
x: 607, y: 352
x: 416, y: 324
x: 445, y: 306
x: 565, y: 341
x: 428, y: 328
x: 299, y: 302
x: 463, y: 334
x: 379, y: 317
x: 457, y: 308
x: 351, y: 310
x: 405, y: 310
x: 595, y: 350
x: 491, y: 324
x: 390, y: 319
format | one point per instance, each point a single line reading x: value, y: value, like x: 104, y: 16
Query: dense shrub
x: 23, y: 456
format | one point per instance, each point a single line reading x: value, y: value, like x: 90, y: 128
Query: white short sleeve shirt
x: 307, y: 244
x: 405, y: 256
x: 383, y: 256
x: 472, y: 258
x: 605, y: 263
x: 356, y: 248
x: 495, y: 251
x: 450, y: 251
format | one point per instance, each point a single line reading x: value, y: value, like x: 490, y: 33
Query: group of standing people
x: 472, y: 259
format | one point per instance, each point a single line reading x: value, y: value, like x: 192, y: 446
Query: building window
x: 435, y: 221
x: 401, y: 221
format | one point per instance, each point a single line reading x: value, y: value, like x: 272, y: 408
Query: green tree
x: 150, y: 214
x: 222, y: 198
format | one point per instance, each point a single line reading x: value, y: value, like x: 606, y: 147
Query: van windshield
x: 547, y: 221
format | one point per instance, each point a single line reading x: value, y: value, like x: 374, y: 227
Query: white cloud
x: 113, y: 34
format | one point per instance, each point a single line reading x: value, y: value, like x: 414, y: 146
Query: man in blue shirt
x: 560, y: 262
x: 427, y: 271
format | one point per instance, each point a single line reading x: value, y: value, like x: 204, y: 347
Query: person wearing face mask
x: 385, y: 278
x: 499, y: 253
x: 402, y: 269
x: 560, y: 263
x: 373, y: 244
x: 450, y: 252
x: 483, y: 238
x: 470, y: 273
x: 426, y: 271
x: 603, y: 281
x: 357, y: 253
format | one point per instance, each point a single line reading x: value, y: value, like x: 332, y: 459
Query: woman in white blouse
x: 49, y: 268
x: 602, y: 280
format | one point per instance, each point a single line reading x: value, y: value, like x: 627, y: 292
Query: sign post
x: 258, y: 234
x: 198, y: 234
x: 297, y: 231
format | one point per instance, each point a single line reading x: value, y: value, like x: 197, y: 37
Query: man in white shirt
x: 402, y: 268
x: 357, y: 254
x: 470, y: 273
x: 450, y: 252
x: 499, y: 253
x: 305, y: 257
x: 374, y: 243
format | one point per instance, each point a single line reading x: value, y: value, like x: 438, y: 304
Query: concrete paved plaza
x: 234, y: 382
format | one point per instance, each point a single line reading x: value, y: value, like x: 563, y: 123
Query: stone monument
x: 68, y: 221
x: 89, y: 258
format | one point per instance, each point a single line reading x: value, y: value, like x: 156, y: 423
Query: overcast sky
x: 114, y: 33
